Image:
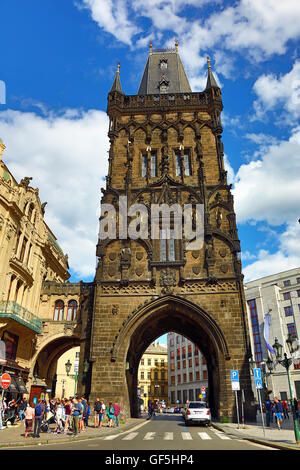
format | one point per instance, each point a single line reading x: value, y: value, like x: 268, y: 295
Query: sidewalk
x: 280, y: 439
x: 13, y: 436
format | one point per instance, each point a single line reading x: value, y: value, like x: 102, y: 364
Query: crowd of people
x: 277, y: 411
x: 70, y: 416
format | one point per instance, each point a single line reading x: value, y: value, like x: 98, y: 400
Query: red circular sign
x: 5, y: 381
x: 203, y: 388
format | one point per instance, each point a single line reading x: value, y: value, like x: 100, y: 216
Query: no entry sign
x: 5, y: 381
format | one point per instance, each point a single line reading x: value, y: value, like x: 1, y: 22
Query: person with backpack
x: 38, y: 418
x: 97, y: 409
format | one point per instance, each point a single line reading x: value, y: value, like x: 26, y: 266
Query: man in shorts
x: 97, y: 408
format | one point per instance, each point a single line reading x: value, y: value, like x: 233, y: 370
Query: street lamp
x: 286, y: 363
x: 77, y: 376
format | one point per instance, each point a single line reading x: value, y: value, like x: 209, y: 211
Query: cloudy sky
x: 58, y: 60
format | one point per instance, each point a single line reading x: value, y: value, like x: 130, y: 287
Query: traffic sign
x: 257, y: 373
x: 234, y: 375
x: 258, y: 384
x: 5, y: 381
x: 203, y: 388
x: 235, y: 381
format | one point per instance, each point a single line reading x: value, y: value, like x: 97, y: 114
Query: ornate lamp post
x: 286, y: 363
x: 77, y: 376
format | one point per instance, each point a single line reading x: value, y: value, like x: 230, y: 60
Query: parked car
x: 196, y: 411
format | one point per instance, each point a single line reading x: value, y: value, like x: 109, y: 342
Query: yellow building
x: 153, y: 374
x: 66, y: 384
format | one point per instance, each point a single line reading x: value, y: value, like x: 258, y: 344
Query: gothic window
x: 58, y: 311
x: 178, y: 164
x: 23, y: 248
x: 153, y: 164
x: 72, y: 310
x: 144, y: 165
x: 187, y: 164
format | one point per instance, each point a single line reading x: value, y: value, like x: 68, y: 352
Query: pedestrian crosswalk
x: 169, y: 436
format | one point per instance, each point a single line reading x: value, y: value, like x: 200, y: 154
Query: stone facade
x: 167, y: 148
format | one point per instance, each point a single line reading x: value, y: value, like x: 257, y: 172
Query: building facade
x: 153, y: 375
x: 279, y: 296
x: 187, y: 371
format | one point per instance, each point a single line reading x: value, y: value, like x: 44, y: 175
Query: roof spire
x: 116, y: 86
x: 211, y: 81
x: 150, y: 47
x: 2, y: 148
x: 176, y: 45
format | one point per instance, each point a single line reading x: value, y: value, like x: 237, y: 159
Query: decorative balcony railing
x: 10, y: 309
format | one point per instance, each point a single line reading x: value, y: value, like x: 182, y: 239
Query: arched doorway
x: 160, y: 316
x: 44, y: 364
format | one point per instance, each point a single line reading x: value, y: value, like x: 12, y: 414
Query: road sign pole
x: 261, y: 411
x: 243, y: 401
x: 237, y: 408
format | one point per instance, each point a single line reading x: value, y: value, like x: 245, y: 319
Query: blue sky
x: 58, y: 60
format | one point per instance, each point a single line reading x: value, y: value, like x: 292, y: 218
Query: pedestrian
x: 97, y: 408
x: 101, y: 413
x: 150, y: 409
x: 110, y: 414
x: 21, y: 410
x: 117, y: 410
x: 68, y: 410
x: 29, y: 419
x: 80, y: 420
x: 75, y: 416
x: 278, y: 412
x: 87, y: 414
x: 60, y: 419
x: 1, y: 414
x: 285, y: 410
x: 269, y: 412
x: 84, y: 409
x: 39, y: 414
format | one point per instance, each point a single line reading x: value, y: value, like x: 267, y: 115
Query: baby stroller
x: 9, y: 417
x: 45, y: 426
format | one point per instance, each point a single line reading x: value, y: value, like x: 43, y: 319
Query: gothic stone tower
x: 166, y: 148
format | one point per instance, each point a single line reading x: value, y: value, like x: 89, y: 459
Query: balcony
x: 10, y: 309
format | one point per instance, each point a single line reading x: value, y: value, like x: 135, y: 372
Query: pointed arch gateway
x: 160, y: 316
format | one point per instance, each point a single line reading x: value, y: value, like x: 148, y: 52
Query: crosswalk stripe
x: 110, y: 438
x: 130, y: 436
x: 149, y: 436
x: 221, y: 435
x: 204, y: 435
x: 186, y: 436
x: 168, y: 436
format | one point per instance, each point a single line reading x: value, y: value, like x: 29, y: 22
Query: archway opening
x: 175, y: 315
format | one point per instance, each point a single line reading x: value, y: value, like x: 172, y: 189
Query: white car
x: 196, y: 411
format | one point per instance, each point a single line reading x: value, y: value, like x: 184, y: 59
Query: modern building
x: 153, y: 374
x: 277, y: 295
x: 187, y: 370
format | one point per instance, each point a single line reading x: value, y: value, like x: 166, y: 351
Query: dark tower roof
x: 164, y: 73
x: 211, y: 81
x: 116, y: 86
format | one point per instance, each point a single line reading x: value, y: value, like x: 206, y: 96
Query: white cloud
x: 287, y: 256
x: 267, y: 189
x: 284, y: 90
x: 67, y: 157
